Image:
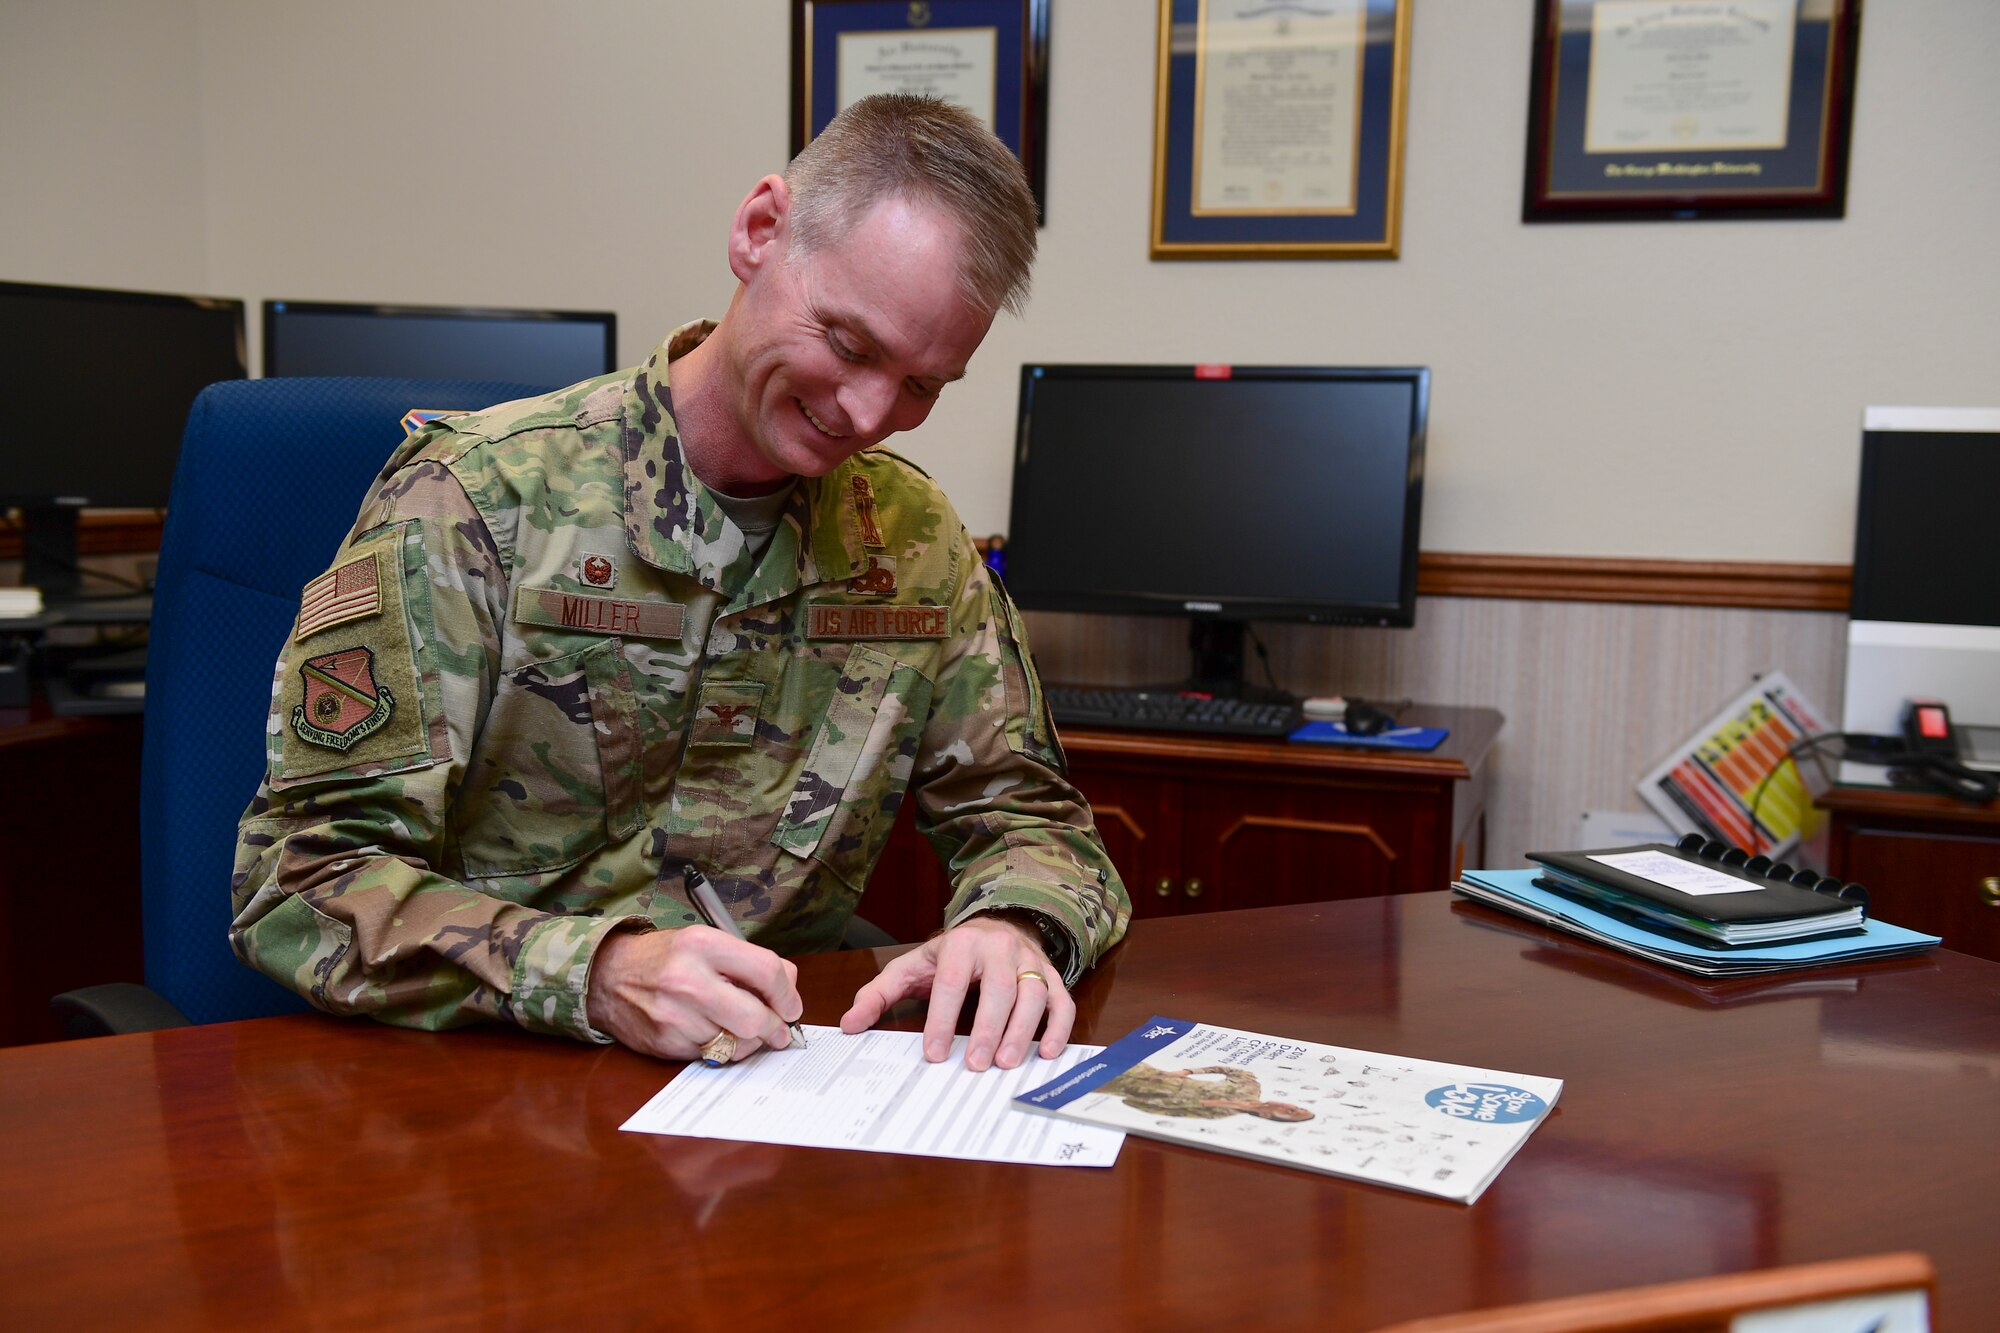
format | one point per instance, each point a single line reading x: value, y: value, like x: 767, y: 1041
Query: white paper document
x: 875, y: 1092
x: 1675, y: 873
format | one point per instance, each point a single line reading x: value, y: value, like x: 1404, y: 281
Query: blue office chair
x: 270, y: 477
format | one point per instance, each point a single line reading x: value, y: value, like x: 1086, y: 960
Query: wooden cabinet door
x: 1264, y: 844
x: 1939, y: 883
x: 1139, y: 820
x: 1137, y: 817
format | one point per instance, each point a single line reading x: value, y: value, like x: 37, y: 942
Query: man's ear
x: 762, y: 225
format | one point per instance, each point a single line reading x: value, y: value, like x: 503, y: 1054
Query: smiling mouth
x: 818, y: 425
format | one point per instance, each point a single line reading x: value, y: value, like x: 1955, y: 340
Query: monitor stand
x: 49, y: 550
x: 1216, y: 665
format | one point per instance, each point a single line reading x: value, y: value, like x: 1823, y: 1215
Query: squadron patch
x: 344, y: 705
x: 840, y: 620
x: 350, y: 592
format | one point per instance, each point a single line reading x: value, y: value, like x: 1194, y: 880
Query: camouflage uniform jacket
x: 543, y: 670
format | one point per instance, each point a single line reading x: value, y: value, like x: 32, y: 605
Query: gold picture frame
x: 1278, y: 132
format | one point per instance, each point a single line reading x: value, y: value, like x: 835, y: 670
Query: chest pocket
x: 845, y: 800
x: 557, y: 772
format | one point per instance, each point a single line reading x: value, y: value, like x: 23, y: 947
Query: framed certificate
x: 1652, y: 109
x: 1278, y: 129
x: 989, y: 56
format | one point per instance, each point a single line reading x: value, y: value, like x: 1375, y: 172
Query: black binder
x: 1786, y: 904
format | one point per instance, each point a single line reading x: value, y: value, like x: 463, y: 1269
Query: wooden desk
x: 1930, y: 863
x: 304, y: 1170
x: 1203, y: 823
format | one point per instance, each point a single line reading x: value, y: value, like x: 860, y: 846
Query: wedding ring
x: 1025, y: 973
x: 718, y: 1050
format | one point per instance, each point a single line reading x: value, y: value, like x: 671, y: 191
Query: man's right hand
x: 666, y: 992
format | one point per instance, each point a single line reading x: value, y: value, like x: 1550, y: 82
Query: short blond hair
x: 922, y: 150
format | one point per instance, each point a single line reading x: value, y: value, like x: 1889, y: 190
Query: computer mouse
x: 1366, y: 719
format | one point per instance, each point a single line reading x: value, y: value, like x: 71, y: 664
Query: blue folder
x: 1516, y: 891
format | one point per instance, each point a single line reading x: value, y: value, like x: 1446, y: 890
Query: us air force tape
x: 598, y: 615
x: 841, y: 620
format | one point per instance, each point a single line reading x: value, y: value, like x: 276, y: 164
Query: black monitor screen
x: 102, y: 382
x: 1244, y: 493
x: 553, y: 347
x: 1923, y: 546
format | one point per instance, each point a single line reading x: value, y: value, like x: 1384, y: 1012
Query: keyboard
x: 1169, y: 710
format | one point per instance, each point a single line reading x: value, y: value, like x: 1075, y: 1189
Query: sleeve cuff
x: 552, y: 974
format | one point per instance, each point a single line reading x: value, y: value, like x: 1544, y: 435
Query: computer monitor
x: 1225, y: 494
x: 101, y: 381
x: 553, y: 347
x: 1924, y: 621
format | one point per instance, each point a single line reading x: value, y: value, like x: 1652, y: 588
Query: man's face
x: 842, y: 348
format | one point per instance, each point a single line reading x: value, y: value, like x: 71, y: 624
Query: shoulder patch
x: 362, y: 700
x: 352, y: 591
x: 344, y: 704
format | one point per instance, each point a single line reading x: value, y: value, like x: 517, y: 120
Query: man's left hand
x: 994, y: 953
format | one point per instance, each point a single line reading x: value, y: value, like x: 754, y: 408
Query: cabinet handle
x: 1165, y: 888
x: 1194, y: 888
x: 1989, y: 890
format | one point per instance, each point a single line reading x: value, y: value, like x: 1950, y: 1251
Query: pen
x: 702, y: 894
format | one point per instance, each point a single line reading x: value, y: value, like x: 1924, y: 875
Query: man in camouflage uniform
x: 687, y: 614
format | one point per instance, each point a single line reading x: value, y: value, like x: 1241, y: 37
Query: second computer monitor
x: 552, y: 347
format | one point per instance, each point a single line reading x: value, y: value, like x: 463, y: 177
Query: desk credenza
x: 1929, y: 862
x: 1204, y: 824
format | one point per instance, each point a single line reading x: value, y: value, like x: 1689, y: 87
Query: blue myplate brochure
x: 1413, y: 1124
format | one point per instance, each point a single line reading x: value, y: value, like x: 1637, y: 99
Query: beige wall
x: 1659, y: 389
x: 101, y: 180
x: 1646, y: 390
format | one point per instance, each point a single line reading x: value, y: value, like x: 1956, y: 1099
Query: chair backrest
x: 270, y: 477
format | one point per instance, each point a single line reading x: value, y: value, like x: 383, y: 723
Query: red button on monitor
x: 1931, y: 724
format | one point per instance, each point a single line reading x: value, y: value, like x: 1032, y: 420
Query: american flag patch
x: 339, y: 595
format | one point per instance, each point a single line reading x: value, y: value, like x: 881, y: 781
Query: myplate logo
x: 1488, y: 1103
